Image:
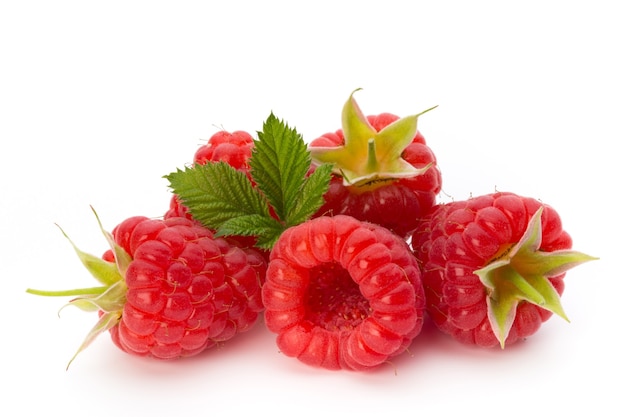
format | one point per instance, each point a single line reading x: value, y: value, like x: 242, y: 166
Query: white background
x: 99, y: 100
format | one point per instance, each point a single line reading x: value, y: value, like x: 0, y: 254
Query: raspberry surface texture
x: 187, y: 290
x: 342, y: 294
x: 493, y: 267
x: 234, y: 148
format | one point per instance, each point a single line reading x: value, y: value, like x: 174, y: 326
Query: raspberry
x: 233, y: 148
x: 391, y: 180
x: 178, y: 290
x: 493, y: 267
x: 342, y: 294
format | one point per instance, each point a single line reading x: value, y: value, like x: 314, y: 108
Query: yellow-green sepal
x: 368, y: 155
x: 522, y: 275
x: 106, y: 322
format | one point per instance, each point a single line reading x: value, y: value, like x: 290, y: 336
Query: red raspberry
x: 233, y: 148
x: 493, y: 267
x: 179, y: 290
x: 396, y: 189
x: 342, y: 294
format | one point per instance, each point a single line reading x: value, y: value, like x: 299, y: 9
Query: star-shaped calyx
x: 108, y: 298
x: 367, y: 155
x: 521, y: 275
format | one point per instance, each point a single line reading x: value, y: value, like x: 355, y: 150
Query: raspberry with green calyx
x: 383, y: 171
x: 168, y: 288
x: 493, y: 267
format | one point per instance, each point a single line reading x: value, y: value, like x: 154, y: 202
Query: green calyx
x: 521, y: 275
x: 108, y: 298
x: 368, y: 156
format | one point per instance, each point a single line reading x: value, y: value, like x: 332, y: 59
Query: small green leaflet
x: 216, y: 193
x: 279, y: 164
x: 225, y: 200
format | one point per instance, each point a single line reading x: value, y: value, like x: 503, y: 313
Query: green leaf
x: 216, y: 193
x: 266, y: 229
x: 281, y: 193
x: 312, y: 195
x: 280, y: 162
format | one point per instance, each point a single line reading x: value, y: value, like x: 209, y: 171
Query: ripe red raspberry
x: 493, y: 267
x: 384, y: 171
x: 172, y: 289
x: 233, y: 148
x: 342, y: 294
